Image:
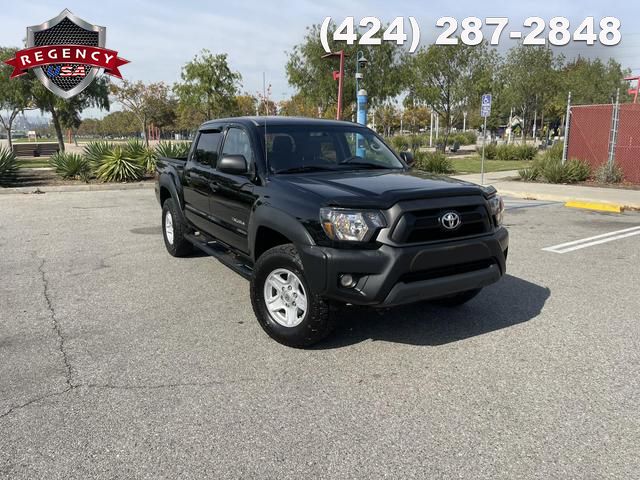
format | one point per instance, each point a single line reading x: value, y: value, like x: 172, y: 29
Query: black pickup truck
x: 322, y: 213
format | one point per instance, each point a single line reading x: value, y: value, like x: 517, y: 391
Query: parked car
x: 320, y: 213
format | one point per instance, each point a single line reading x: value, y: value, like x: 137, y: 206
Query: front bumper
x: 391, y: 276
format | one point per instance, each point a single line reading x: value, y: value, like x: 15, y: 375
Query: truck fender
x: 168, y: 181
x: 282, y: 222
x: 313, y: 257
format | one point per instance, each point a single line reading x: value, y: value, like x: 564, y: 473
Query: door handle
x: 214, y: 186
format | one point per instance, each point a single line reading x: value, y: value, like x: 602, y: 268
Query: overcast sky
x: 159, y: 37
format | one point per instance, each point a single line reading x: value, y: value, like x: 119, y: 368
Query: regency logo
x: 66, y: 54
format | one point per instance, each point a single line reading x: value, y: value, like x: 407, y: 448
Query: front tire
x: 286, y: 308
x: 173, y: 230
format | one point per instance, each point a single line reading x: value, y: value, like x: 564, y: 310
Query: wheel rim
x: 168, y: 227
x: 285, y: 298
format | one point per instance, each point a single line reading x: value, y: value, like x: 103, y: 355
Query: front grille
x: 424, y: 225
x: 446, y: 271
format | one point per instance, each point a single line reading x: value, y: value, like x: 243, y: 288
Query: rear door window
x: 207, y: 149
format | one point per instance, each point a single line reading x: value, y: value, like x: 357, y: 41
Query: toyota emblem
x: 450, y: 220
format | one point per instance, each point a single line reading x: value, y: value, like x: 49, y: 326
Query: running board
x: 221, y: 253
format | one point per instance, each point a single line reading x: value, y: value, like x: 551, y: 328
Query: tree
x: 450, y: 79
x: 593, y: 81
x: 531, y: 78
x: 15, y: 93
x: 312, y: 76
x: 148, y: 103
x: 245, y: 105
x: 208, y: 86
x: 298, y: 106
x: 65, y: 113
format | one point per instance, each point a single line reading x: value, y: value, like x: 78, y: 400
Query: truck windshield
x: 300, y: 148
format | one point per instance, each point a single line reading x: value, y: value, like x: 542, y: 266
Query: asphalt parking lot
x: 119, y: 361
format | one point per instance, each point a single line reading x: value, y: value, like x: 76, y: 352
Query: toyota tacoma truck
x: 319, y: 213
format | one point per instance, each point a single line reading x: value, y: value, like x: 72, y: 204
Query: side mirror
x: 408, y: 158
x: 233, y: 164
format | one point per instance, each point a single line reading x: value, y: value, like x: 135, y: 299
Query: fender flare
x: 267, y: 216
x: 167, y: 180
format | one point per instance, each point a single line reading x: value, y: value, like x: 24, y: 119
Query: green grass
x: 472, y: 165
x: 34, y: 163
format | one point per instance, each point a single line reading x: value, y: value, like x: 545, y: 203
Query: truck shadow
x: 509, y: 302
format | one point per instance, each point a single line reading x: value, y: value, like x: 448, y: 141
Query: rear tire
x: 173, y: 230
x: 278, y: 282
x: 457, y: 299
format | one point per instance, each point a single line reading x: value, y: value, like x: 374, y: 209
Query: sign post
x: 485, y: 111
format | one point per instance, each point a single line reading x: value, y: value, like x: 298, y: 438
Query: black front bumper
x: 392, y: 276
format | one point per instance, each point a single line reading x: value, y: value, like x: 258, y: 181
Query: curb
x: 600, y: 207
x: 100, y: 187
x: 567, y: 199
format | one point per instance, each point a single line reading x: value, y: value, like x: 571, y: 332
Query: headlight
x: 497, y: 208
x: 351, y: 225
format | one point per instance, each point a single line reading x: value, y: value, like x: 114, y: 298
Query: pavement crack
x: 56, y: 326
x: 34, y: 400
x: 152, y: 387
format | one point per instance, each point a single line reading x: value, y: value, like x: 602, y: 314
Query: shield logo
x: 66, y: 79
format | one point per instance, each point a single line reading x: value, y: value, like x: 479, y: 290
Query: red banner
x: 56, y: 54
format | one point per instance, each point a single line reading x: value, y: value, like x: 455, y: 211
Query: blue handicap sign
x: 485, y: 106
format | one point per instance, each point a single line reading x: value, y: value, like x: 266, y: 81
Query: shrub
x: 433, y: 162
x: 136, y: 150
x: 609, y: 174
x: 526, y: 152
x: 463, y: 138
x: 490, y: 151
x: 8, y: 164
x: 577, y: 170
x: 555, y: 152
x: 172, y: 149
x: 554, y: 171
x: 117, y: 166
x: 71, y: 165
x: 530, y: 174
x: 94, y: 152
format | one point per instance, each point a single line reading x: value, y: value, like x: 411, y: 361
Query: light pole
x: 339, y: 76
x: 361, y: 62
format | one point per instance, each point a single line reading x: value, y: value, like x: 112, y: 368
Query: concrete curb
x: 552, y: 197
x: 98, y: 187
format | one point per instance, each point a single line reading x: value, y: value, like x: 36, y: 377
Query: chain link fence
x: 599, y: 134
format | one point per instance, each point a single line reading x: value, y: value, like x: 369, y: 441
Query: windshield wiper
x: 306, y: 168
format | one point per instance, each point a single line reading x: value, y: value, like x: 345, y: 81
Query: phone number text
x: 557, y: 31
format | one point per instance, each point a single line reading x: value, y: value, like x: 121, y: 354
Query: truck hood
x: 376, y: 188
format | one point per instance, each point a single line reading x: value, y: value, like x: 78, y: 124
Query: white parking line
x: 591, y: 241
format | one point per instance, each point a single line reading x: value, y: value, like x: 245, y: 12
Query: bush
x: 577, y: 170
x: 173, y: 149
x: 71, y: 165
x: 490, y: 151
x: 8, y: 165
x: 463, y: 138
x: 433, y: 162
x: 136, y: 150
x: 553, y: 171
x: 94, y: 152
x: 555, y: 152
x: 118, y: 166
x: 607, y: 174
x: 527, y: 152
x: 530, y: 174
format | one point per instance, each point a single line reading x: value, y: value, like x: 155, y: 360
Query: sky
x: 158, y: 37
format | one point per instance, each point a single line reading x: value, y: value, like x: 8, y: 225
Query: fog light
x: 347, y: 281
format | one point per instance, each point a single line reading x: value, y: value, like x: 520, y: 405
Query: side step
x: 221, y: 253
